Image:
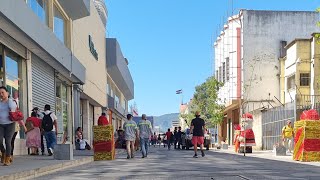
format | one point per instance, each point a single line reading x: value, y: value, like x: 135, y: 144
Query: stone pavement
x: 179, y: 164
x: 266, y: 155
x: 29, y: 167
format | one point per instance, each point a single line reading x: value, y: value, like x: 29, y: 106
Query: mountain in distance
x: 165, y: 121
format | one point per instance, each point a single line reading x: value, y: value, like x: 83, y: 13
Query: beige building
x: 89, y: 46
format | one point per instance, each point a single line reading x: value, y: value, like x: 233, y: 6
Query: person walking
x: 131, y: 132
x: 40, y: 116
x: 198, y: 129
x: 179, y: 134
x: 169, y: 136
x: 49, y: 126
x: 287, y: 136
x: 159, y: 140
x: 33, y: 139
x: 7, y: 127
x: 175, y: 135
x: 145, y: 132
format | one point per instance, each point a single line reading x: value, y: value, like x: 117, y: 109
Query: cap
x: 35, y: 109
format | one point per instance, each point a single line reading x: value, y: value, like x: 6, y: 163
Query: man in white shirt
x: 49, y: 126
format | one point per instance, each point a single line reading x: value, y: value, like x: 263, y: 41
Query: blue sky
x: 169, y: 43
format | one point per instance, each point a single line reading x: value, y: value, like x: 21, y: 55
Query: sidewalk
x: 29, y: 167
x: 265, y: 155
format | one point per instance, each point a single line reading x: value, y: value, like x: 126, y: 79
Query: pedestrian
x: 145, y: 131
x: 103, y: 120
x: 131, y: 132
x: 287, y: 136
x: 33, y: 139
x: 7, y: 127
x: 179, y: 137
x: 159, y: 140
x: 198, y: 130
x: 49, y: 126
x: 175, y: 135
x: 169, y: 136
x: 154, y: 139
x: 40, y: 115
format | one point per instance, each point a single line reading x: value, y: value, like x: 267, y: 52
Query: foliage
x: 205, y: 100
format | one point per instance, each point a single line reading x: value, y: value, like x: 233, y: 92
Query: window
x: 39, y: 7
x: 59, y: 24
x: 62, y: 109
x: 220, y: 74
x: 291, y: 82
x: 224, y: 72
x: 228, y: 72
x: 304, y: 79
x: 217, y: 75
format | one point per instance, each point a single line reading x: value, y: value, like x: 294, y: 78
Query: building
x: 89, y: 45
x: 56, y: 57
x: 184, y: 109
x: 247, y: 55
x: 300, y: 73
x: 120, y: 86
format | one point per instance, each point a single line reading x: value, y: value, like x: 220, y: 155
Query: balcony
x: 118, y: 70
x: 76, y: 9
x: 113, y: 105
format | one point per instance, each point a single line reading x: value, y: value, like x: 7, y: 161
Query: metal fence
x: 272, y: 122
x: 274, y: 119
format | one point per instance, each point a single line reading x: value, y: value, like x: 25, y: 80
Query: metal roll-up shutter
x: 43, y: 84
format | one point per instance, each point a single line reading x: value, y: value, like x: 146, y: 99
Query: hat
x: 35, y: 109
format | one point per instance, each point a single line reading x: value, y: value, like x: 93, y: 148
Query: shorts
x: 197, y: 140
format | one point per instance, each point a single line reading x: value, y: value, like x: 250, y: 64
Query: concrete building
x: 247, y: 60
x: 54, y: 52
x: 120, y: 86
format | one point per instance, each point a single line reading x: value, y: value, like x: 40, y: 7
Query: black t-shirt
x: 197, y: 124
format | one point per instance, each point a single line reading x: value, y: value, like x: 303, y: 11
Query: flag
x: 179, y: 91
x: 134, y: 112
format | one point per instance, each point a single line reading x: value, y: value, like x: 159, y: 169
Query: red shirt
x: 103, y: 121
x: 35, y: 121
x: 168, y: 134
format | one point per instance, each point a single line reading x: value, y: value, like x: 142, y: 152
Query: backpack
x: 47, y: 123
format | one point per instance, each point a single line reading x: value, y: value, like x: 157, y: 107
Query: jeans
x: 12, y: 142
x: 288, y: 143
x: 51, y: 139
x: 144, y: 143
x: 6, y: 132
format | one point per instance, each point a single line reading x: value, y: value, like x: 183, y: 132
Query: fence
x: 274, y: 119
x: 272, y: 122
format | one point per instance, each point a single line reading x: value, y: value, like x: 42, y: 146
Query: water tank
x: 102, y: 10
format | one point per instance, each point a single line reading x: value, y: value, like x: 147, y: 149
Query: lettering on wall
x: 92, y: 49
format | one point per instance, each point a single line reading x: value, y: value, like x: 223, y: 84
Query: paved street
x: 174, y: 164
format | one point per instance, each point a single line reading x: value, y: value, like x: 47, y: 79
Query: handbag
x: 17, y: 115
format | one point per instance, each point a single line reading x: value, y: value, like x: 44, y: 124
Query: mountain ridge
x: 165, y: 121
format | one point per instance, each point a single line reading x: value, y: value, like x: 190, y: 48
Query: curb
x: 34, y: 173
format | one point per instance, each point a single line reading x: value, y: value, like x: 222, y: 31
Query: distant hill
x: 165, y: 121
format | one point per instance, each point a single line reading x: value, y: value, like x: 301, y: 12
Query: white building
x: 247, y: 55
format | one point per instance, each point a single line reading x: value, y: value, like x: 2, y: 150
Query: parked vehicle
x: 187, y: 140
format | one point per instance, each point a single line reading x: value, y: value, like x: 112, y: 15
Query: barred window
x: 304, y: 79
x: 228, y: 71
x: 223, y: 72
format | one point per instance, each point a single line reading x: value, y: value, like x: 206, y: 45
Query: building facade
x: 247, y: 56
x: 120, y: 86
x: 56, y: 57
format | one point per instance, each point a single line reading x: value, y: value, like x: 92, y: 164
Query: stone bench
x: 63, y: 152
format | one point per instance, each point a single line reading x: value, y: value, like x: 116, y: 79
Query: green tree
x: 207, y: 102
x: 192, y: 108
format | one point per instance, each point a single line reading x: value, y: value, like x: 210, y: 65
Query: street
x: 179, y: 164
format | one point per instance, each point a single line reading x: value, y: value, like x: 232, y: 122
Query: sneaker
x: 132, y: 155
x: 143, y: 157
x: 195, y: 156
x: 128, y: 157
x: 50, y: 152
x: 202, y: 153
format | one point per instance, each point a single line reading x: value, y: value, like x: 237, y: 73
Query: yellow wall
x: 304, y: 53
x: 96, y: 79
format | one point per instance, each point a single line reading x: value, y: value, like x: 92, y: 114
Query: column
x: 87, y: 124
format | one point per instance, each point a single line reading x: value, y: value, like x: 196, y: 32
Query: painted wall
x: 96, y: 79
x: 262, y: 33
